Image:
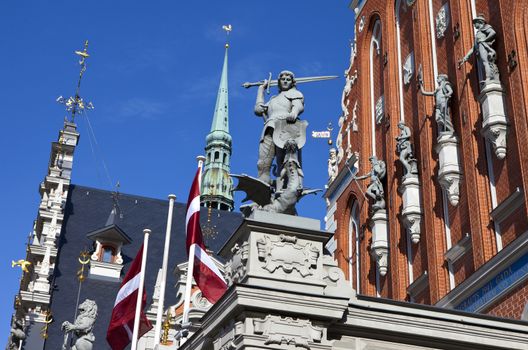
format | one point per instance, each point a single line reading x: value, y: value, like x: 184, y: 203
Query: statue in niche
x: 82, y: 327
x: 17, y: 335
x: 404, y: 148
x: 442, y: 95
x: 332, y: 164
x: 483, y: 49
x: 375, y: 188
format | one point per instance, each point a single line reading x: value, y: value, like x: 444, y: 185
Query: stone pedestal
x: 411, y: 209
x: 494, y: 119
x: 449, y: 171
x: 380, y: 240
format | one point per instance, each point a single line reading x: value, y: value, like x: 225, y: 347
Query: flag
x: 121, y: 326
x: 207, y: 276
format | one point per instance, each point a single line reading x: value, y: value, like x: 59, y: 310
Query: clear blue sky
x: 153, y: 76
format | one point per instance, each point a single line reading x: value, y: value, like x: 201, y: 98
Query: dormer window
x: 106, y: 260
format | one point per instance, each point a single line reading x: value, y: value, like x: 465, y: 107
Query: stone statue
x: 82, y: 327
x: 404, y: 148
x: 287, y: 105
x: 375, y: 188
x: 483, y: 49
x: 17, y: 335
x: 332, y: 164
x: 442, y: 95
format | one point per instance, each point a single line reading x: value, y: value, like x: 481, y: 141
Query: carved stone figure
x: 442, y: 95
x: 375, y: 188
x: 332, y: 164
x: 287, y: 105
x: 82, y: 328
x: 483, y: 49
x: 442, y: 21
x: 404, y: 148
x: 17, y: 335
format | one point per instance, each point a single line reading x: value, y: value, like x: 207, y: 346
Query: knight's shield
x: 285, y: 131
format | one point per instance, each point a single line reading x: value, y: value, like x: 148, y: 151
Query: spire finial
x: 76, y: 104
x: 228, y: 28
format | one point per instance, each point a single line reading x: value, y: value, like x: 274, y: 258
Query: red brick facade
x: 487, y: 181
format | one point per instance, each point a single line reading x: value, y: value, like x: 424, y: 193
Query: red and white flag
x: 119, y: 333
x: 207, y: 276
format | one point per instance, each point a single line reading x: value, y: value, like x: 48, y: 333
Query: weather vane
x: 76, y: 104
x: 228, y: 28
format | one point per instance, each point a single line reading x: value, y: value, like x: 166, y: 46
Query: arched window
x: 225, y: 158
x: 353, y: 246
x: 217, y: 156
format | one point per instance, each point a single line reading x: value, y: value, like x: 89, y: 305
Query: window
x: 217, y: 156
x: 107, y: 254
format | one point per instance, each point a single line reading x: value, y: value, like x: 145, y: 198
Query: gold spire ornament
x: 84, y: 259
x: 76, y: 105
x: 166, y: 327
x: 24, y: 264
x: 47, y: 320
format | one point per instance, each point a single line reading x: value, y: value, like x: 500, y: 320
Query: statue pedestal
x: 412, y: 210
x: 494, y: 119
x: 449, y: 171
x: 380, y: 243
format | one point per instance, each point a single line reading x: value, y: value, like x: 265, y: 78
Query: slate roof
x: 87, y: 210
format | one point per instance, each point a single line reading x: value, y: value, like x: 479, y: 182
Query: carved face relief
x: 285, y: 82
x: 361, y: 24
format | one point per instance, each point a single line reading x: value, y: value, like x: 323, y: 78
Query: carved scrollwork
x: 286, y: 253
x: 288, y: 331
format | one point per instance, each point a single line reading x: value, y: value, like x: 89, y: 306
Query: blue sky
x: 153, y: 76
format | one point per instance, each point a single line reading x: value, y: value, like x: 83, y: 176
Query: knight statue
x: 82, y: 327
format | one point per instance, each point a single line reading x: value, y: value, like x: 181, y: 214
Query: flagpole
x: 140, y: 290
x: 190, y: 264
x: 163, y: 282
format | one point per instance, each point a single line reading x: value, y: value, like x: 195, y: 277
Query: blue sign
x: 500, y: 283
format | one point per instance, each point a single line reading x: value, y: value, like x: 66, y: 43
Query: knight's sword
x: 247, y: 85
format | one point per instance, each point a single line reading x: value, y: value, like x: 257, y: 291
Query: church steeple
x: 216, y: 182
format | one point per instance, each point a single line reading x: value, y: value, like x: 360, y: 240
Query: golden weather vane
x: 76, y: 104
x: 166, y: 327
x: 24, y: 264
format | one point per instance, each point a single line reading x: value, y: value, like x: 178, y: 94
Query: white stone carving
x: 412, y: 210
x: 361, y: 24
x: 379, y: 248
x: 495, y: 121
x: 353, y: 54
x: 285, y: 253
x: 288, y: 331
x: 332, y: 164
x: 355, y: 117
x: 380, y: 109
x: 408, y: 69
x: 339, y: 139
x: 442, y: 21
x: 449, y: 171
x: 42, y: 284
x: 236, y: 268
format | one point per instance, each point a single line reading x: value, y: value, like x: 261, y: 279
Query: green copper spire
x: 221, y: 113
x: 216, y: 182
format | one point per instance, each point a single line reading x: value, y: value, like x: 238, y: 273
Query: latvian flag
x: 206, y: 275
x: 119, y: 333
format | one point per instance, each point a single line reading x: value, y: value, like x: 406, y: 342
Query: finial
x: 76, y: 104
x: 228, y: 28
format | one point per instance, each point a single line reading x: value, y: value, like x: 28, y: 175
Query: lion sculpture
x: 82, y: 328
